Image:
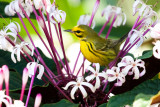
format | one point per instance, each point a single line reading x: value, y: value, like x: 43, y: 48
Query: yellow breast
x: 96, y: 56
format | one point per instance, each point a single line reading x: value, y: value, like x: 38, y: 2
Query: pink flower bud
x: 40, y: 21
x: 25, y: 76
x: 1, y: 78
x: 38, y: 100
x: 6, y: 73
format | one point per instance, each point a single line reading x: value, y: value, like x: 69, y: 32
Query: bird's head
x: 82, y: 32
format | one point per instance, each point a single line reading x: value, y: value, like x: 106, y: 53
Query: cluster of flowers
x: 127, y: 66
x: 5, y: 99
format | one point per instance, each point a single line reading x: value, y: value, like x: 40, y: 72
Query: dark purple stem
x: 30, y: 87
x: 109, y: 93
x: 64, y: 54
x: 104, y: 26
x: 76, y: 62
x: 51, y: 46
x: 41, y: 60
x: 110, y: 28
x: 105, y: 85
x: 95, y: 8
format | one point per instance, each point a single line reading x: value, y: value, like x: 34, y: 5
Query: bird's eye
x: 78, y: 31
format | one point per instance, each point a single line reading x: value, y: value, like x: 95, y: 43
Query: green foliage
x: 16, y: 96
x: 15, y: 82
x: 146, y: 54
x: 150, y: 87
x: 103, y: 105
x: 61, y: 103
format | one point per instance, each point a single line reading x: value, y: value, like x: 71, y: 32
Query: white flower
x: 38, y: 4
x: 28, y: 7
x: 10, y: 30
x: 5, y: 99
x: 17, y: 103
x: 156, y: 49
x: 14, y: 27
x: 14, y: 7
x: 113, y: 10
x: 132, y: 66
x: 134, y: 36
x: 155, y: 31
x: 79, y: 85
x: 115, y: 74
x: 57, y: 16
x: 31, y: 69
x: 18, y: 49
x: 84, y: 20
x: 95, y: 74
x: 141, y: 7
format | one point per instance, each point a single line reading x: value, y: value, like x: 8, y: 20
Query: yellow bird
x: 95, y: 48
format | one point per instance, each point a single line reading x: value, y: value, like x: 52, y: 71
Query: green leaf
x: 103, y: 105
x: 15, y: 81
x: 142, y: 100
x: 150, y: 87
x: 130, y: 54
x: 61, y: 103
x: 146, y: 54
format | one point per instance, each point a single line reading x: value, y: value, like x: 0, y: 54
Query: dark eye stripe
x: 80, y: 36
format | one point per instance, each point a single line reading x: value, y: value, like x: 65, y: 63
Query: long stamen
x: 104, y: 26
x: 110, y: 28
x: 95, y: 8
x: 31, y: 84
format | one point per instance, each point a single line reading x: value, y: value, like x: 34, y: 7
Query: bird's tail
x: 122, y: 38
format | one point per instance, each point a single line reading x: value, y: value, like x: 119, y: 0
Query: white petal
x: 156, y: 52
x: 110, y: 72
x: 121, y: 64
x: 110, y: 79
x: 97, y: 67
x: 125, y: 19
x: 136, y: 73
x: 142, y: 9
x: 97, y: 84
x: 127, y: 69
x: 69, y: 84
x: 41, y: 71
x: 12, y: 56
x: 18, y: 55
x: 143, y: 72
x: 84, y: 93
x: 74, y: 89
x: 91, y: 69
x: 89, y: 78
x: 103, y: 74
x: 119, y: 83
x: 11, y: 8
x: 89, y: 85
x: 127, y: 59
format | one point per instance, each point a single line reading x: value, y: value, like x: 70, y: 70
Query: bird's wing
x: 105, y: 45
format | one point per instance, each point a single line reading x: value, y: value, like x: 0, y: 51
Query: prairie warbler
x: 95, y: 48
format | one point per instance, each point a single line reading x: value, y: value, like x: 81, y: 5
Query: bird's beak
x: 69, y: 30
